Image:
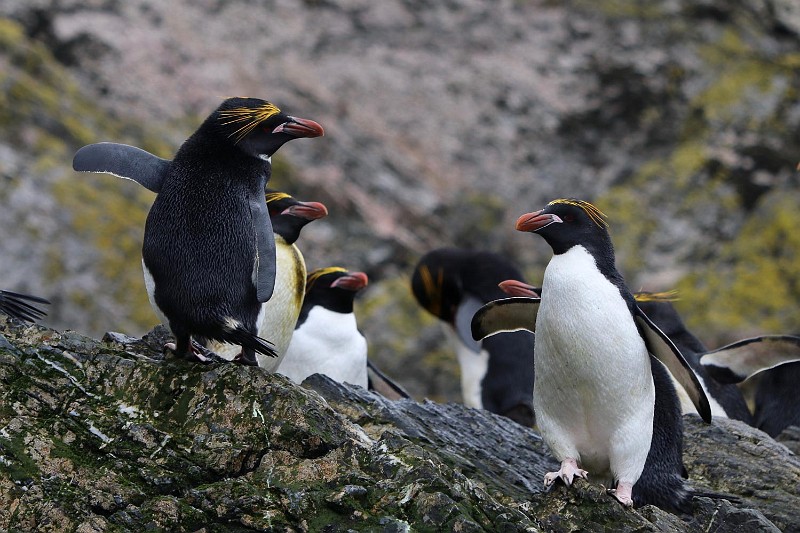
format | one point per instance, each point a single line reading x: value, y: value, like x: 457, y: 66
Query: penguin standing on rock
x: 209, y: 251
x: 496, y: 373
x: 604, y: 401
x: 278, y: 316
x: 20, y: 306
x: 326, y: 339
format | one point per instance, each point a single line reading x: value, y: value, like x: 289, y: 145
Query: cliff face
x: 103, y: 435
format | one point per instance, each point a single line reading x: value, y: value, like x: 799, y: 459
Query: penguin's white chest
x: 594, y: 393
x: 327, y: 343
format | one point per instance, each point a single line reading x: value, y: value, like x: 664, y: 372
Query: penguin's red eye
x: 569, y: 218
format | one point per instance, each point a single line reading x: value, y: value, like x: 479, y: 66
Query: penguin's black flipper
x: 265, y: 243
x: 123, y: 161
x: 736, y: 362
x: 16, y: 306
x: 663, y: 349
x: 378, y: 382
x: 506, y: 314
x: 463, y: 322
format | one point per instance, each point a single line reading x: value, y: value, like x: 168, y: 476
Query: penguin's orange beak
x: 300, y: 127
x: 514, y: 287
x: 307, y: 210
x: 353, y: 281
x: 536, y: 221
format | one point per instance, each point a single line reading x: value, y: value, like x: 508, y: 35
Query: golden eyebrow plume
x: 316, y: 274
x: 433, y: 288
x: 666, y: 296
x: 275, y: 196
x: 597, y: 216
x: 250, y: 117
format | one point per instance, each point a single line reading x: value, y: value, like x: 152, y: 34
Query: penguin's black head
x: 445, y: 276
x: 436, y: 283
x: 258, y: 127
x: 289, y: 216
x: 568, y: 222
x: 334, y: 288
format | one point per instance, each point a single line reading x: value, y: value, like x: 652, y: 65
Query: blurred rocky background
x: 444, y: 122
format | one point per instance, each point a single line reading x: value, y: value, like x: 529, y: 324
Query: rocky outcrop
x: 102, y: 435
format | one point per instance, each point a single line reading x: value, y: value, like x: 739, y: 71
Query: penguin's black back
x: 778, y: 399
x: 661, y: 483
x: 207, y: 186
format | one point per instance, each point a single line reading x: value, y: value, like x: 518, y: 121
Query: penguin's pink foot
x: 569, y: 469
x: 623, y: 493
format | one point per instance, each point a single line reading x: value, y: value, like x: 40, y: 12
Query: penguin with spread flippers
x: 604, y: 401
x: 21, y: 306
x: 726, y: 400
x: 209, y: 251
x: 497, y: 372
x: 278, y: 316
x: 326, y: 339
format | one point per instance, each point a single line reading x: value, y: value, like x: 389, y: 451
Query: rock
x: 110, y: 434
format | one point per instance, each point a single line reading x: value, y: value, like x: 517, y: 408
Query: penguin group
x: 221, y: 265
x: 603, y: 374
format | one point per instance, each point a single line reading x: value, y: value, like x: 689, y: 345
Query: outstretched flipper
x: 507, y: 314
x: 265, y: 248
x: 736, y: 362
x: 663, y: 349
x: 123, y: 161
x: 16, y: 305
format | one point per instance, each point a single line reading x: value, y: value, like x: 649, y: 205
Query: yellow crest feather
x: 275, y: 196
x: 314, y: 275
x: 433, y: 288
x: 249, y: 117
x: 597, y: 216
x: 666, y: 296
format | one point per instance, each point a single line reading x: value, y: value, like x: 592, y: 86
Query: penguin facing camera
x: 326, y: 339
x: 603, y: 395
x: 208, y: 251
x: 497, y: 372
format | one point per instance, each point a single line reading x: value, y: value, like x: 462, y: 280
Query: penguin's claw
x: 196, y: 354
x: 569, y: 469
x: 623, y: 493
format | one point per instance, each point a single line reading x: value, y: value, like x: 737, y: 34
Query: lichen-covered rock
x: 113, y: 435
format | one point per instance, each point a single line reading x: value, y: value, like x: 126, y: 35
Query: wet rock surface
x: 97, y: 435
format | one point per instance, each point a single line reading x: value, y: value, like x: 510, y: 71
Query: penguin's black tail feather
x: 16, y: 305
x: 238, y: 334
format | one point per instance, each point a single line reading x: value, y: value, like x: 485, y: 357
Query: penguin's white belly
x: 473, y: 367
x: 278, y: 315
x: 327, y: 343
x: 593, y: 394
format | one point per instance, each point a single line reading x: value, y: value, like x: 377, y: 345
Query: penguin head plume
x: 567, y: 222
x: 289, y: 215
x: 258, y: 127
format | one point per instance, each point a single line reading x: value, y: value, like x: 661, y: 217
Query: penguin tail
x: 234, y: 332
x: 17, y: 305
